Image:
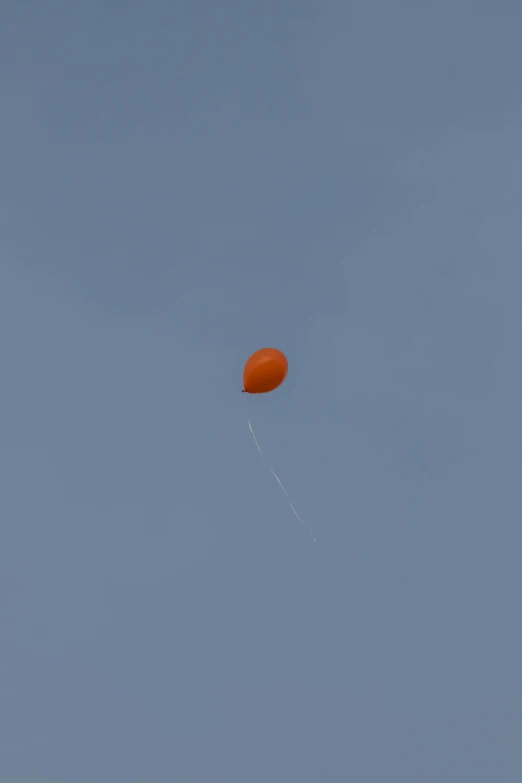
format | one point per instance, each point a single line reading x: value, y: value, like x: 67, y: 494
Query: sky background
x: 182, y: 184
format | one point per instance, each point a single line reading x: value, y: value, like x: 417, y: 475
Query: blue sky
x: 181, y: 184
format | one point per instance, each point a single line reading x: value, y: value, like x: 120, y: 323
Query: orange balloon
x: 264, y: 371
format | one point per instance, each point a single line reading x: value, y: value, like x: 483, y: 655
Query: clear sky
x: 182, y: 183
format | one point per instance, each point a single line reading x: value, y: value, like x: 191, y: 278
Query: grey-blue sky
x: 341, y: 181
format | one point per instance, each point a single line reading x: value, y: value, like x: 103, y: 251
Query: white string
x: 279, y: 481
x: 255, y: 441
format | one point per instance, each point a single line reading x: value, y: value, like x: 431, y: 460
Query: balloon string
x: 255, y: 439
x: 278, y: 481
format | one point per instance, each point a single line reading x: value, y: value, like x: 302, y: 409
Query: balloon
x: 264, y: 371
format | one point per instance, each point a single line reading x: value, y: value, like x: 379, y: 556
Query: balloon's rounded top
x: 264, y: 371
